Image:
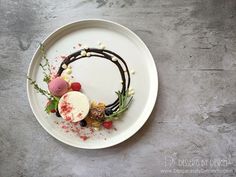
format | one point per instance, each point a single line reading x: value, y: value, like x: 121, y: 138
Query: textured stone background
x: 194, y: 46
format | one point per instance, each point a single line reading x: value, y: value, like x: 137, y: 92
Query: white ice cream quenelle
x: 74, y: 106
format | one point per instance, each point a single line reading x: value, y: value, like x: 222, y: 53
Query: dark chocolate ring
x: 106, y: 54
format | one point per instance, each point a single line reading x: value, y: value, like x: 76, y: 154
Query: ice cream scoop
x: 58, y: 87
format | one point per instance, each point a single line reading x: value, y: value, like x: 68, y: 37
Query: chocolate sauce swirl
x: 106, y: 54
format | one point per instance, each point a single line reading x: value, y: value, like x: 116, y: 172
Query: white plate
x: 99, y: 78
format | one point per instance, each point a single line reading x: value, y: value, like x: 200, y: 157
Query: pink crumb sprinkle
x: 63, y: 57
x: 84, y: 137
x: 68, y: 118
x: 64, y: 127
x: 79, y: 115
x: 76, y: 123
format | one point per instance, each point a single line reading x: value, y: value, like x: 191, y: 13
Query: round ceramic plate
x: 99, y: 78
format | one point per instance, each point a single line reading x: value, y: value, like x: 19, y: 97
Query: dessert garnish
x: 66, y: 100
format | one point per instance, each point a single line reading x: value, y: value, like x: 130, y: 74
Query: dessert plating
x: 66, y: 100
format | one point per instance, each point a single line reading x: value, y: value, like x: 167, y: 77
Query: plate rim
x: 152, y: 101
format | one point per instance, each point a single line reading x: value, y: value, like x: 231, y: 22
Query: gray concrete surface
x: 193, y: 125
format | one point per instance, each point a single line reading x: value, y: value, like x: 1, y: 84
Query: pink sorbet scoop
x: 58, y: 87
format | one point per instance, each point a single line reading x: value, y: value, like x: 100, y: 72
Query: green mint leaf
x: 53, y: 104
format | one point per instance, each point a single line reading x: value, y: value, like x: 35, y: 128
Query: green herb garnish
x: 45, y: 65
x: 124, y: 102
x: 53, y: 101
x: 40, y: 90
x: 52, y: 104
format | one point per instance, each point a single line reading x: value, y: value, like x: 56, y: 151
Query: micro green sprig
x: 40, y: 90
x: 45, y: 65
x: 124, y: 103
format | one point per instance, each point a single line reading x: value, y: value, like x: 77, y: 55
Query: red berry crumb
x: 76, y: 86
x: 48, y: 103
x: 83, y: 137
x: 107, y: 124
x: 53, y: 111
